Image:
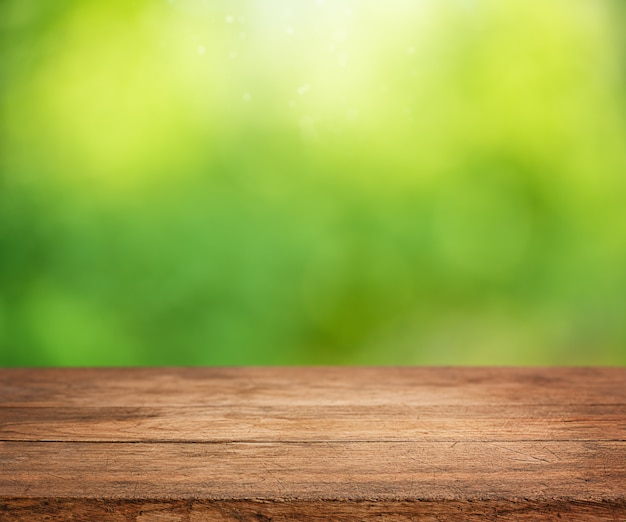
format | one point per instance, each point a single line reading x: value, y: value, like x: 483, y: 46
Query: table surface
x: 315, y: 443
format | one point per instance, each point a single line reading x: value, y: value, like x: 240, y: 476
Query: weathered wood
x: 313, y: 444
x: 310, y: 471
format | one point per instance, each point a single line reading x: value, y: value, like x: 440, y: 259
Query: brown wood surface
x: 276, y: 444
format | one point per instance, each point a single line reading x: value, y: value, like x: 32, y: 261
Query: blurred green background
x: 277, y: 182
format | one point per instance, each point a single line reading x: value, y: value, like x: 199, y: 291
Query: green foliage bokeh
x: 274, y: 182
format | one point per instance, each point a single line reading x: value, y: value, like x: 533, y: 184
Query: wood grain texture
x: 313, y: 444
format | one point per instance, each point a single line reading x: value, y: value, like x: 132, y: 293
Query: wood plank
x: 28, y: 510
x: 301, y: 386
x: 313, y: 444
x: 594, y: 471
x: 499, y: 476
x: 298, y: 404
x: 314, y: 422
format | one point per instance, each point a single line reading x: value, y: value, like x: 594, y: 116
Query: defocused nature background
x: 341, y: 181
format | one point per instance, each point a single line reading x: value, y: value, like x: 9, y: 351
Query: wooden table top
x: 315, y: 443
